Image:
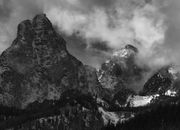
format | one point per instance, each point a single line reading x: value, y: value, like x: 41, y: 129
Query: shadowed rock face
x: 121, y: 69
x: 158, y: 83
x: 37, y: 66
x: 167, y: 78
x: 121, y: 73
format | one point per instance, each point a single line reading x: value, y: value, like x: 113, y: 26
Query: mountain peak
x: 38, y: 67
x: 28, y: 28
x: 126, y: 52
x: 40, y: 21
x: 131, y: 47
x: 37, y: 42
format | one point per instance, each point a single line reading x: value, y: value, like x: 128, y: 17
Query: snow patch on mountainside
x: 173, y: 72
x: 137, y: 101
x: 122, y: 53
x: 102, y: 103
x: 109, y: 116
x: 114, y: 117
x: 171, y: 93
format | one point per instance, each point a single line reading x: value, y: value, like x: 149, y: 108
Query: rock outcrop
x: 37, y: 66
x: 120, y: 74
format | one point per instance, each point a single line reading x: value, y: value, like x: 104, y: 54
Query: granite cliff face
x: 37, y: 66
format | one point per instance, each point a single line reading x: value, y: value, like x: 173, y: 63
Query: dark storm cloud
x: 99, y: 45
x: 77, y: 47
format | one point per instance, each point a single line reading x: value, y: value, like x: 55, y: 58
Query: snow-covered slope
x: 137, y: 101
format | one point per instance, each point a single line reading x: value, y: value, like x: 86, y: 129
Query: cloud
x: 114, y: 23
x: 153, y: 26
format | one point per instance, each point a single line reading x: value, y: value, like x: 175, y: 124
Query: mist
x: 153, y: 26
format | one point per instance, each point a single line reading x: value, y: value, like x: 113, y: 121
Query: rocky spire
x: 37, y: 66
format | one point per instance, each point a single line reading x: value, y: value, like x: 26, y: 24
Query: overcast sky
x: 96, y: 28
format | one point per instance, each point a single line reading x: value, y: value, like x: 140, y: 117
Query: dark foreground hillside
x: 162, y: 118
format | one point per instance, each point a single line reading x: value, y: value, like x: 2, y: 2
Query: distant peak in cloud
x: 150, y: 25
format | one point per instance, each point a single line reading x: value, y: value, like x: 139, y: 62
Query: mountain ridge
x: 43, y: 86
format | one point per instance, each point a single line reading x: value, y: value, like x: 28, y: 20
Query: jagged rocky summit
x: 40, y: 78
x: 120, y: 74
x: 37, y: 66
